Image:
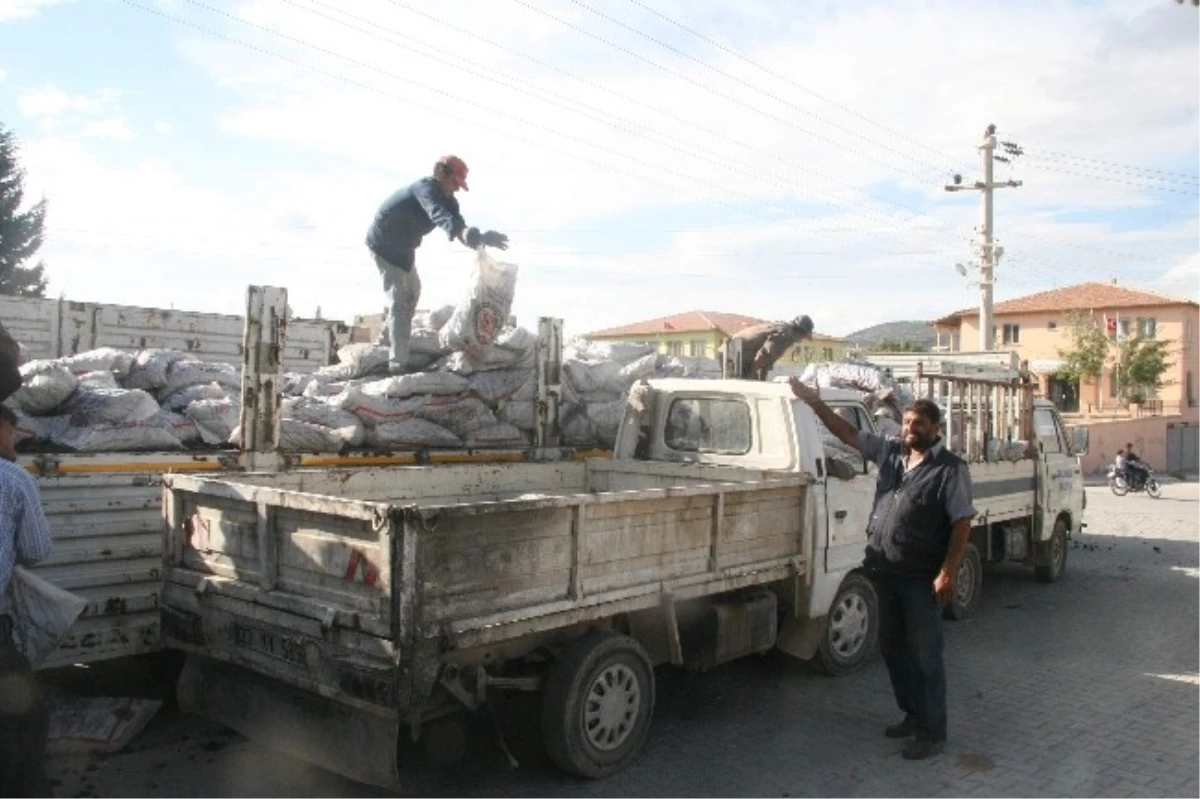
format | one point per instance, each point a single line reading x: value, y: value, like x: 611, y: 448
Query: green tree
x: 21, y: 232
x: 1141, y: 364
x: 1086, y: 359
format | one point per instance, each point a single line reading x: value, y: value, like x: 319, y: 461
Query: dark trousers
x: 910, y: 640
x: 23, y: 723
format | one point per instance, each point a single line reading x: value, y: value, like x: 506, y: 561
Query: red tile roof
x: 1082, y: 297
x: 687, y: 322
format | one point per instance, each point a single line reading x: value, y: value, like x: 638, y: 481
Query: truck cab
x: 1028, y: 485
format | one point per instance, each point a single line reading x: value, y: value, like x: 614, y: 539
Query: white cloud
x: 3, y: 75
x: 114, y: 128
x: 49, y: 101
x: 22, y: 9
x: 163, y: 128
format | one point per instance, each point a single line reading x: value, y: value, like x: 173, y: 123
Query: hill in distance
x: 918, y: 333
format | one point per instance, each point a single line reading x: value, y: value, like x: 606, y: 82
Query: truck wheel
x: 1053, y: 557
x: 852, y: 628
x: 597, y: 705
x: 969, y: 587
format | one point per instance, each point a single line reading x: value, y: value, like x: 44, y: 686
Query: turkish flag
x: 1110, y: 325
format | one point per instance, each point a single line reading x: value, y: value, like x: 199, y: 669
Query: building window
x: 675, y: 348
x: 1052, y: 325
x: 828, y: 353
x: 1187, y: 330
x: 698, y: 349
x: 1012, y: 334
x: 1147, y: 328
x: 1191, y: 389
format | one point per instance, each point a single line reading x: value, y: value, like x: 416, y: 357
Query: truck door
x: 849, y: 494
x: 1059, y: 480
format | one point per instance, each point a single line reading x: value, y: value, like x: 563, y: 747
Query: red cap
x: 458, y: 168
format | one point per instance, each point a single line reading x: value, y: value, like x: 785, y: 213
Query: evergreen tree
x: 21, y: 232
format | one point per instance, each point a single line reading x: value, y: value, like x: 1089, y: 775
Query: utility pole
x: 989, y: 253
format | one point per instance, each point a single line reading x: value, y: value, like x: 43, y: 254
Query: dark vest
x: 909, y: 530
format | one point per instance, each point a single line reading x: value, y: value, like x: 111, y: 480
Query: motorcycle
x: 1121, y: 486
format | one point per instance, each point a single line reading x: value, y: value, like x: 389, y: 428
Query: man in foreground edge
x: 918, y: 532
x: 24, y: 539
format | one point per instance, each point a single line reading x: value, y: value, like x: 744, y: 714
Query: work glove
x: 494, y: 238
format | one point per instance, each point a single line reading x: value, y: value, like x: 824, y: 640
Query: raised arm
x: 845, y: 432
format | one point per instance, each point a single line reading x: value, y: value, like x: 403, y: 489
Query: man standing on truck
x: 916, y: 537
x: 24, y: 538
x: 763, y: 345
x: 399, y: 225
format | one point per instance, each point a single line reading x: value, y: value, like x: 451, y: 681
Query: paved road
x: 1088, y: 687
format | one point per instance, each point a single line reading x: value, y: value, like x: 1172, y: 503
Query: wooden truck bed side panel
x: 472, y: 565
x: 333, y: 553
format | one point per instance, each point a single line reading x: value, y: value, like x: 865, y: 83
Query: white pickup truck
x: 328, y: 612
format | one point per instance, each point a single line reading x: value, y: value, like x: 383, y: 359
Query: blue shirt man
x: 400, y: 224
x: 24, y: 538
x: 916, y: 538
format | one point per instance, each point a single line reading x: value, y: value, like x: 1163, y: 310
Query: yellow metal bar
x: 118, y: 468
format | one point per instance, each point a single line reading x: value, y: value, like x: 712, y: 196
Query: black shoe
x: 902, y: 730
x: 921, y: 748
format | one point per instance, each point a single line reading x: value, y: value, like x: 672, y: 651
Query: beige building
x: 1163, y: 429
x: 1037, y: 327
x: 699, y: 334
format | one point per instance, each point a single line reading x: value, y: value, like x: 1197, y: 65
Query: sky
x: 645, y: 157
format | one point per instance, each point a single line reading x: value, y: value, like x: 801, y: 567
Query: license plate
x: 266, y: 643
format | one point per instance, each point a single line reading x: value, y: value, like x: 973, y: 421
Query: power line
x: 691, y: 124
x: 442, y: 111
x: 1127, y: 167
x: 1140, y: 185
x: 700, y: 84
x: 1096, y: 168
x: 630, y: 127
x: 799, y: 86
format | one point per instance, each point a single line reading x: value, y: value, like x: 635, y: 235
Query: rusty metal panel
x: 107, y: 548
x: 32, y: 322
x: 108, y: 542
x: 55, y: 328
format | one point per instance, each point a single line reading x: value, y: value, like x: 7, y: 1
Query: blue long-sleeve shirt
x: 405, y: 217
x: 24, y: 533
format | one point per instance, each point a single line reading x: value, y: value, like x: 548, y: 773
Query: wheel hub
x: 611, y: 708
x: 965, y: 583
x: 848, y: 625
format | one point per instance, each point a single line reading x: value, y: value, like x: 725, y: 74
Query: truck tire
x: 597, y: 705
x: 851, y: 629
x: 969, y: 586
x: 1052, y: 559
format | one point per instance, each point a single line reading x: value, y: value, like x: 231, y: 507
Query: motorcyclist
x: 1135, y: 468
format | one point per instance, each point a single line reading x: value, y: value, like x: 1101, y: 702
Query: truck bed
x: 299, y: 571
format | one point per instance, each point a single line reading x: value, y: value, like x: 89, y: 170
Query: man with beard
x: 916, y: 538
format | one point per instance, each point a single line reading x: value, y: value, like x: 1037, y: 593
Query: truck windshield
x: 718, y: 426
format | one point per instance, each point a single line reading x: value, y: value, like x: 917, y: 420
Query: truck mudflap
x: 349, y: 741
